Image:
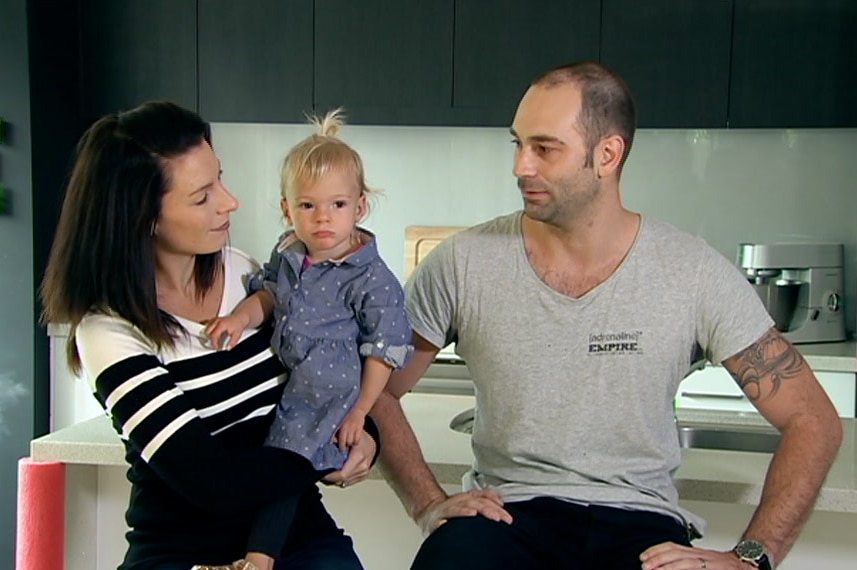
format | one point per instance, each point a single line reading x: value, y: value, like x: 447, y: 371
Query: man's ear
x: 608, y: 155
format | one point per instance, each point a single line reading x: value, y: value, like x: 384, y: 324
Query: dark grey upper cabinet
x: 689, y: 63
x: 501, y: 46
x: 794, y: 64
x: 674, y: 57
x: 255, y: 60
x: 386, y: 61
x: 136, y: 50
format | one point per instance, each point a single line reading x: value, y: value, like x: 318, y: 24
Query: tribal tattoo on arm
x: 771, y: 356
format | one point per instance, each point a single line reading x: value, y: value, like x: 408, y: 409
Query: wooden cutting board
x: 420, y: 240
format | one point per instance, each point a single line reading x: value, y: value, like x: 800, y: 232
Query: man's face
x: 550, y: 156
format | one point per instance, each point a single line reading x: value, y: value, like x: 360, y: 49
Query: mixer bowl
x: 780, y: 299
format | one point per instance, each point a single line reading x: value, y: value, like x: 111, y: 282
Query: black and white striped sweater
x: 193, y: 421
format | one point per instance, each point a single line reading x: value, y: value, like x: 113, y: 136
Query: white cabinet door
x: 384, y: 536
x: 429, y: 416
x: 712, y: 388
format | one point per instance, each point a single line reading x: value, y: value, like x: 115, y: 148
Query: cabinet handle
x: 705, y: 395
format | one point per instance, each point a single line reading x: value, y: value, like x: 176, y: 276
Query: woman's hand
x: 357, y: 465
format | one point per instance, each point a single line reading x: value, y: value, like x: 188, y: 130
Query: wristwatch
x: 755, y: 553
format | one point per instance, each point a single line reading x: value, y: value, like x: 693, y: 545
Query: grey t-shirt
x: 574, y: 395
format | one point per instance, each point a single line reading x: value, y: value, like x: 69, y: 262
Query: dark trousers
x: 549, y: 534
x: 313, y: 541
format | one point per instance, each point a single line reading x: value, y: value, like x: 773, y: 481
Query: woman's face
x: 196, y: 207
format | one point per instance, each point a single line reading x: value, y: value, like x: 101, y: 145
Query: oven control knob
x: 833, y: 302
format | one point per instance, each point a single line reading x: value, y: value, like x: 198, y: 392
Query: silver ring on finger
x: 703, y: 563
x: 344, y: 484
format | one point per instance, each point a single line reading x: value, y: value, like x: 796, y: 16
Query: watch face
x: 750, y: 549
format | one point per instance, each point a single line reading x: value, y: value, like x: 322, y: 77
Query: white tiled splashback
x: 729, y: 186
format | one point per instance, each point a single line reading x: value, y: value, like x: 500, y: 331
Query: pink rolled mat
x: 41, y: 515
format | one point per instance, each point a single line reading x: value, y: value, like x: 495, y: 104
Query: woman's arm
x: 197, y: 423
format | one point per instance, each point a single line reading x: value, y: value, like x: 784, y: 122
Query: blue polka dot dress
x: 329, y: 316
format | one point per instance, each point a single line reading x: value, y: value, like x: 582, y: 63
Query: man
x: 578, y: 319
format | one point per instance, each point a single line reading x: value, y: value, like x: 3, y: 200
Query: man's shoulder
x: 503, y: 225
x: 481, y: 248
x: 659, y: 228
x: 494, y: 232
x: 665, y: 236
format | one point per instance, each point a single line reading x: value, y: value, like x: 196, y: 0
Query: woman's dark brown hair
x: 103, y: 256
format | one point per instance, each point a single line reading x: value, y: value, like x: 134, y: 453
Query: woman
x: 139, y: 266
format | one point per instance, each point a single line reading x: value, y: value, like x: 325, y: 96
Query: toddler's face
x: 324, y: 214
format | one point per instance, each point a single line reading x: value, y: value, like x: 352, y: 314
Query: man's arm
x: 401, y: 457
x: 402, y: 460
x: 776, y: 378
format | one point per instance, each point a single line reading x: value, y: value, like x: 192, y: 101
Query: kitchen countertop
x: 831, y: 356
x: 735, y: 477
x: 705, y: 475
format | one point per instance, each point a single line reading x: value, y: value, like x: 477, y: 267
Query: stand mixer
x: 801, y: 286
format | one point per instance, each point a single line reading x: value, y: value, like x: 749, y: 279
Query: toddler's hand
x: 255, y: 560
x: 351, y: 430
x: 225, y: 332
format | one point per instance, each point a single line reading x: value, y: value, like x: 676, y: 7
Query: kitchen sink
x: 463, y: 422
x: 729, y: 438
x: 757, y: 439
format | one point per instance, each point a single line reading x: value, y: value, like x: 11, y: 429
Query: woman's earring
x: 153, y: 229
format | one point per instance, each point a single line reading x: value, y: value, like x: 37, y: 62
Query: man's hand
x: 487, y: 503
x: 357, y: 465
x: 672, y: 556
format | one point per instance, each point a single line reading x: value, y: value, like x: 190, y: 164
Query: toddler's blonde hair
x: 319, y: 154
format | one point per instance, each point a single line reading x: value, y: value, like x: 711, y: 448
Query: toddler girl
x: 340, y: 324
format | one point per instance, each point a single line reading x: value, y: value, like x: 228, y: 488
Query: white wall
x: 729, y: 186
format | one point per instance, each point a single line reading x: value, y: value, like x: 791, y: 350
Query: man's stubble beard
x: 568, y: 205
